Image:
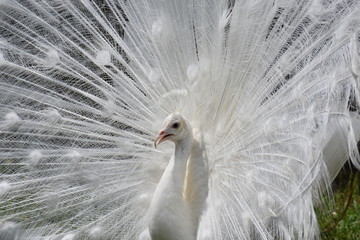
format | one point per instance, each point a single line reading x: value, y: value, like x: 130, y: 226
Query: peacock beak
x: 162, y: 136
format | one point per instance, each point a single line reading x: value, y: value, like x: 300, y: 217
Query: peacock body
x: 272, y: 88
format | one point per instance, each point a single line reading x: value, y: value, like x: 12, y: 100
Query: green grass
x: 341, y: 219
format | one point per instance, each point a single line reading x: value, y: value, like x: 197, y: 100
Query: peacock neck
x: 168, y: 200
x: 172, y: 181
x: 177, y: 164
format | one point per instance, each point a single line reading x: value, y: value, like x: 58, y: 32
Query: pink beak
x: 162, y: 136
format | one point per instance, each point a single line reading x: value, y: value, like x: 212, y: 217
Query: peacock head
x: 175, y: 128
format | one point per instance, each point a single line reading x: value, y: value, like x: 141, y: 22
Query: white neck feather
x: 168, y: 214
x: 179, y: 161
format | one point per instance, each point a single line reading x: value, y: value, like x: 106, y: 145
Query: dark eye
x: 175, y: 125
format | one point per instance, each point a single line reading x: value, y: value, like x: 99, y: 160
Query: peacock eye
x: 175, y: 125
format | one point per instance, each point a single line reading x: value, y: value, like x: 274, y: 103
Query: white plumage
x: 271, y: 89
x: 179, y: 198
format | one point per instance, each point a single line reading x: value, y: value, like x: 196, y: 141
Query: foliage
x: 341, y: 220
